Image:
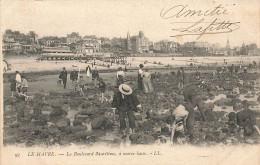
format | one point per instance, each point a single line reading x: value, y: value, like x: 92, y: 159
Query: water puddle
x: 218, y: 97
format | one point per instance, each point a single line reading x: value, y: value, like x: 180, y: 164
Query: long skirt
x: 139, y: 82
x: 147, y: 85
x: 88, y: 73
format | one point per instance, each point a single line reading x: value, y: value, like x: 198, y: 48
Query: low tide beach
x: 60, y: 119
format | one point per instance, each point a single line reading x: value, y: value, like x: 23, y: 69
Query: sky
x: 114, y: 18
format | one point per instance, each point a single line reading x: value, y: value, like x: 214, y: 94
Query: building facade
x: 88, y: 46
x: 140, y: 44
x: 73, y: 38
x: 166, y: 47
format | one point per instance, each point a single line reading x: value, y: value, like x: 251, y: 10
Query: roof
x: 28, y: 45
x: 17, y: 44
x: 56, y: 50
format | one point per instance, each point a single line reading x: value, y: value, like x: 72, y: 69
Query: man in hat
x: 140, y: 77
x: 126, y: 103
x: 63, y: 76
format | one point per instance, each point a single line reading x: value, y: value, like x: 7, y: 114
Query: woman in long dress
x: 140, y: 77
x: 147, y: 83
x: 88, y: 69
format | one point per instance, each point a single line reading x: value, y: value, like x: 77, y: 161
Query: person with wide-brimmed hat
x: 126, y: 102
x: 140, y: 77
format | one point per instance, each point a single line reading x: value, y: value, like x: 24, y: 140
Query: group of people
x: 126, y: 102
x: 19, y: 84
x: 144, y: 80
x: 80, y: 83
x: 183, y: 115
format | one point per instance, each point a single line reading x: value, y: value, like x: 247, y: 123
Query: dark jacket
x: 63, y: 75
x: 95, y: 74
x: 74, y: 75
x: 180, y: 75
x: 130, y: 102
x: 102, y: 86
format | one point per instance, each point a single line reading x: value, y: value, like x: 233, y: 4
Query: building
x: 30, y: 48
x: 195, y: 49
x: 140, y: 44
x: 118, y: 44
x: 73, y: 38
x: 128, y: 42
x: 88, y: 46
x: 16, y: 36
x: 50, y: 41
x: 34, y: 37
x: 12, y: 48
x: 228, y: 49
x: 165, y: 46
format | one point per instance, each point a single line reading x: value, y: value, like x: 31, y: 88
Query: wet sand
x: 78, y: 109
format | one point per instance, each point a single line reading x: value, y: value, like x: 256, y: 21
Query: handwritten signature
x: 200, y: 27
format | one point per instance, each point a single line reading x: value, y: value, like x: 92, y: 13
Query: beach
x: 224, y: 94
x: 30, y: 64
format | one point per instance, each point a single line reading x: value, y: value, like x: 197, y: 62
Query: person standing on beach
x: 88, y: 70
x: 63, y: 76
x: 125, y: 68
x: 126, y: 103
x: 180, y: 78
x: 147, y: 83
x: 13, y: 86
x: 74, y: 76
x: 120, y: 74
x: 18, y: 81
x: 140, y: 77
x: 245, y: 69
x: 102, y: 89
x: 95, y: 76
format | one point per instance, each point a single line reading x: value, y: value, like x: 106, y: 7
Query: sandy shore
x: 221, y: 95
x: 30, y: 64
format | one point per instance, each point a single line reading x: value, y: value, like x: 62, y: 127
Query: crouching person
x: 245, y: 119
x: 24, y: 85
x: 126, y: 102
x: 177, y: 121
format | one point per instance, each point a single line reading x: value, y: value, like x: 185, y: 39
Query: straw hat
x: 125, y: 89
